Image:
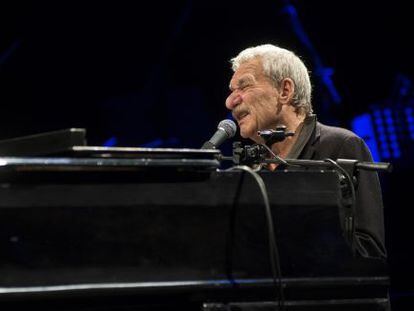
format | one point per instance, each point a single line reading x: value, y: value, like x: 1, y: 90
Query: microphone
x: 226, y: 129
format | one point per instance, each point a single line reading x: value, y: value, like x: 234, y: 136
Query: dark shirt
x: 318, y: 142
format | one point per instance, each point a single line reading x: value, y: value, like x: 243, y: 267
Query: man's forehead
x: 253, y: 66
x: 247, y: 71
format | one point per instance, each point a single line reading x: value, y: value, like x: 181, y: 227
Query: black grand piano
x: 104, y: 228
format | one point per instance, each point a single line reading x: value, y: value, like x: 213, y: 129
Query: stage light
x: 387, y: 130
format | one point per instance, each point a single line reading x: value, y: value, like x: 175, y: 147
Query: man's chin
x: 248, y: 134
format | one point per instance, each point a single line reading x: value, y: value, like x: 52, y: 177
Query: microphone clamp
x: 273, y: 136
x: 248, y: 155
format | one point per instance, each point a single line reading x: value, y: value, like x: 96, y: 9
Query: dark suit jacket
x: 333, y: 142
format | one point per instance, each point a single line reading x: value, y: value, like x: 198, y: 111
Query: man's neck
x: 293, y: 124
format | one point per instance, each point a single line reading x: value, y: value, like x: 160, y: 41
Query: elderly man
x: 270, y: 87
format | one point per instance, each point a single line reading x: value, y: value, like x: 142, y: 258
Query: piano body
x: 152, y: 229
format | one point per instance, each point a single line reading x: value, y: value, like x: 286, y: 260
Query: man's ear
x: 286, y: 90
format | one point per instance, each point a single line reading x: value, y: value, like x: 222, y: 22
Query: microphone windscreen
x: 228, y: 126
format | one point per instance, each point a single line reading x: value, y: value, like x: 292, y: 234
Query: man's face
x: 253, y: 99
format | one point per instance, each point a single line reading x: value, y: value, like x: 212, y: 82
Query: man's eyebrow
x: 242, y: 81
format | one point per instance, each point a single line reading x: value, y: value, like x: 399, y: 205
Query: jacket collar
x: 309, y: 150
x: 307, y: 136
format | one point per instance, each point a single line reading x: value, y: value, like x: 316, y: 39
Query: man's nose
x: 233, y: 100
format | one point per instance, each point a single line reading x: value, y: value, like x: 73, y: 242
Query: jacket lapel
x: 310, y: 149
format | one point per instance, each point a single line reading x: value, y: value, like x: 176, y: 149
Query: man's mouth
x: 241, y: 116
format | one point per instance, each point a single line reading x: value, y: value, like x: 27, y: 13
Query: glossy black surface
x: 144, y: 228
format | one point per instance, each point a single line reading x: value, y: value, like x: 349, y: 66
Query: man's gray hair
x: 278, y: 64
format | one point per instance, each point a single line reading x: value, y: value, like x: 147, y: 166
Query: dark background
x: 136, y: 73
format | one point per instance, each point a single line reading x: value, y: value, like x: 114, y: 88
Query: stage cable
x: 273, y: 248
